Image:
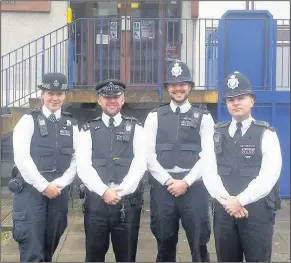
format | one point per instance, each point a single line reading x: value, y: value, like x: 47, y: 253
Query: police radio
x: 127, y: 132
x: 42, y: 126
x: 217, y: 142
x: 195, y: 119
x: 16, y: 182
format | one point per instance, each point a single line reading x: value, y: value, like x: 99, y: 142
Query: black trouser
x: 166, y: 211
x: 101, y: 219
x: 249, y: 237
x: 38, y: 223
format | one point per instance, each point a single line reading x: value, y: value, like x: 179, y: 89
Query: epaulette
x: 222, y: 124
x: 164, y: 104
x: 90, y: 123
x: 264, y: 124
x: 96, y: 119
x: 201, y: 107
x: 131, y: 119
x: 34, y: 111
x: 68, y: 114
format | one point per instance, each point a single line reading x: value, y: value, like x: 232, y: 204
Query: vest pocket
x: 43, y: 158
x: 188, y: 155
x: 164, y: 147
x: 121, y: 167
x: 123, y: 162
x: 223, y: 170
x: 165, y: 154
x: 65, y: 158
x: 252, y: 172
x: 20, y: 226
x: 99, y: 162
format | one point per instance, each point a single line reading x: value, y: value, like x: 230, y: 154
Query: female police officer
x: 43, y: 144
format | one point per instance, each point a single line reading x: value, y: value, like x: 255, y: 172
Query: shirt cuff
x: 102, y: 189
x: 42, y: 185
x: 165, y: 179
x: 59, y: 182
x: 187, y: 181
x: 243, y: 200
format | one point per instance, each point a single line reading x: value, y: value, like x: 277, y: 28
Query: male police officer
x: 179, y: 137
x: 111, y: 160
x: 43, y: 144
x: 249, y: 164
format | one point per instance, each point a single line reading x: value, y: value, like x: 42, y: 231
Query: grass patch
x: 5, y: 236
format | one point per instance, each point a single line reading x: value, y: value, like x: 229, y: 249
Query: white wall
x: 22, y: 70
x: 215, y: 9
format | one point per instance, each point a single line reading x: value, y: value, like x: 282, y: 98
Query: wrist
x: 185, y: 181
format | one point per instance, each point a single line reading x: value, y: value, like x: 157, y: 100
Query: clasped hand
x: 110, y: 196
x: 233, y: 207
x: 176, y: 187
x: 52, y: 191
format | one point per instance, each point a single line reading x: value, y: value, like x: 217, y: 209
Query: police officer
x: 179, y: 137
x: 249, y: 164
x: 43, y: 144
x: 112, y: 160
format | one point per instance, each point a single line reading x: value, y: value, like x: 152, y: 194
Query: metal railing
x: 22, y: 69
x: 136, y: 51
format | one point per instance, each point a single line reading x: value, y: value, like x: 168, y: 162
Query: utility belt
x: 133, y: 199
x: 273, y: 199
x: 137, y: 195
x: 16, y: 183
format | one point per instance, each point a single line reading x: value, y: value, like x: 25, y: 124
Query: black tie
x: 177, y: 110
x: 111, y: 125
x: 52, y: 118
x: 238, y: 132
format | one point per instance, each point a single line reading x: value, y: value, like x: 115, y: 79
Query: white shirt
x: 207, y: 156
x: 22, y: 135
x: 89, y: 175
x: 270, y: 168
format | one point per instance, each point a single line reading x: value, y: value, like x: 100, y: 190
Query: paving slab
x: 72, y: 244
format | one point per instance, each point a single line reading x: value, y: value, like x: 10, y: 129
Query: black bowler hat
x: 237, y: 84
x: 110, y: 88
x: 54, y: 82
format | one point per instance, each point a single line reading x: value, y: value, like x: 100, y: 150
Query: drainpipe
x: 247, y: 5
x: 252, y: 5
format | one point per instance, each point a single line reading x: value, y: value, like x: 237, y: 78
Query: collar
x: 183, y: 108
x: 117, y: 119
x: 46, y: 112
x: 245, y: 123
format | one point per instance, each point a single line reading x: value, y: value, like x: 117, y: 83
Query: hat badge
x: 232, y: 82
x: 176, y: 70
x: 56, y: 83
x: 110, y: 86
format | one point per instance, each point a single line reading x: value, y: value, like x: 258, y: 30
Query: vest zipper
x: 177, y: 139
x: 111, y: 156
x: 57, y: 145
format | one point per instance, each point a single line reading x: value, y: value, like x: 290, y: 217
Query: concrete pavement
x: 72, y: 245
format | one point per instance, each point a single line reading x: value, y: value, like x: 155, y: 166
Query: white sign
x: 136, y: 30
x: 105, y: 39
x: 125, y: 23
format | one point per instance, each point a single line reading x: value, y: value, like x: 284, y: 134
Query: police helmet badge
x: 128, y: 127
x: 176, y: 70
x: 232, y: 82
